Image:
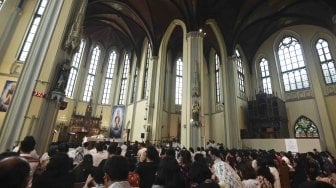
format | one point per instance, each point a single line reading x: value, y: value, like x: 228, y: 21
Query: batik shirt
x: 226, y: 174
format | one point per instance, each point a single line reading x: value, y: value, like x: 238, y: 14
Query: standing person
x: 148, y: 168
x: 248, y: 175
x: 32, y: 142
x: 123, y: 149
x: 169, y: 174
x: 100, y: 155
x: 184, y: 160
x: 223, y: 171
x: 26, y: 148
x: 141, y: 154
x: 200, y: 175
x: 264, y: 175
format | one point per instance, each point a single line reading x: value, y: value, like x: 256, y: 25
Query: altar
x: 86, y: 125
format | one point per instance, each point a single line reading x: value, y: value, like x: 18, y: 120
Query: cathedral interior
x: 233, y: 71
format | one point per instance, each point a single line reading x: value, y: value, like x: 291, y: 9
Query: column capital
x: 232, y: 58
x: 195, y: 34
x: 154, y: 58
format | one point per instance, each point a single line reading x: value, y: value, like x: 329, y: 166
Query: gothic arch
x: 305, y: 128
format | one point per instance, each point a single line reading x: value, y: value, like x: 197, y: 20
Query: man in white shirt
x: 100, y: 155
x: 142, y: 152
x: 123, y: 149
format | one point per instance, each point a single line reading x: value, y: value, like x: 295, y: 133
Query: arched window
x: 145, y: 81
x: 240, y: 70
x: 1, y: 2
x: 305, y: 128
x: 91, y: 74
x: 122, y: 94
x: 74, y: 70
x: 32, y: 31
x: 217, y: 79
x: 178, y: 82
x: 292, y: 65
x: 109, y: 77
x: 326, y: 60
x: 265, y: 76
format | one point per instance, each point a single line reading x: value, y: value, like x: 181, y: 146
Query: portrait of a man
x: 7, y: 95
x: 116, y: 123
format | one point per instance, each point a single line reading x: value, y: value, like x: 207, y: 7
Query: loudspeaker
x: 142, y: 135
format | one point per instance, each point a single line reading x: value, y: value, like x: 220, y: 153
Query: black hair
x: 59, y: 164
x: 14, y: 172
x: 100, y: 146
x: 215, y: 152
x: 264, y: 170
x: 98, y: 175
x: 169, y: 174
x: 116, y: 168
x: 199, y: 172
x: 246, y: 171
x: 170, y: 152
x: 27, y: 146
x: 153, y: 154
x: 8, y: 154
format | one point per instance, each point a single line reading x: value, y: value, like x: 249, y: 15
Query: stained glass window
x: 305, y: 128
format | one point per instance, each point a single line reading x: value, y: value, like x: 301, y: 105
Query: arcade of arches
x: 190, y: 70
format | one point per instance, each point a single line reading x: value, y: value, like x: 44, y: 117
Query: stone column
x: 50, y: 108
x: 9, y: 14
x: 13, y: 122
x: 231, y: 126
x: 153, y: 128
x: 192, y: 99
x: 327, y: 136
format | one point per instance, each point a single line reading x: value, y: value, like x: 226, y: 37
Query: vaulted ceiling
x: 125, y: 23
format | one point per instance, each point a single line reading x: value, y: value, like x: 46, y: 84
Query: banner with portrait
x: 7, y: 95
x: 117, y: 121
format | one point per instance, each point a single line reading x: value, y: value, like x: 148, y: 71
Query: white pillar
x: 13, y: 122
x: 191, y: 134
x: 9, y: 14
x: 154, y: 127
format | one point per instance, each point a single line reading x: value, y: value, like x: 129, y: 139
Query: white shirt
x: 123, y: 149
x: 275, y: 173
x: 120, y: 184
x: 142, y: 154
x: 98, y: 157
x: 254, y: 164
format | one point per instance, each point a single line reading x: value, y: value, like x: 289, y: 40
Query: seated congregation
x: 116, y: 165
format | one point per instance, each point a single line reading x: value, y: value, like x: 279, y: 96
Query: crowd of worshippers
x: 125, y: 165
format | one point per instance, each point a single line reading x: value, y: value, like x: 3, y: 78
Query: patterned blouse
x: 225, y: 173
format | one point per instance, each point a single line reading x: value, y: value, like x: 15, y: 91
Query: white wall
x: 304, y: 145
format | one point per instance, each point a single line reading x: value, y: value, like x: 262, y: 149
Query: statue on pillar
x: 195, y: 110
